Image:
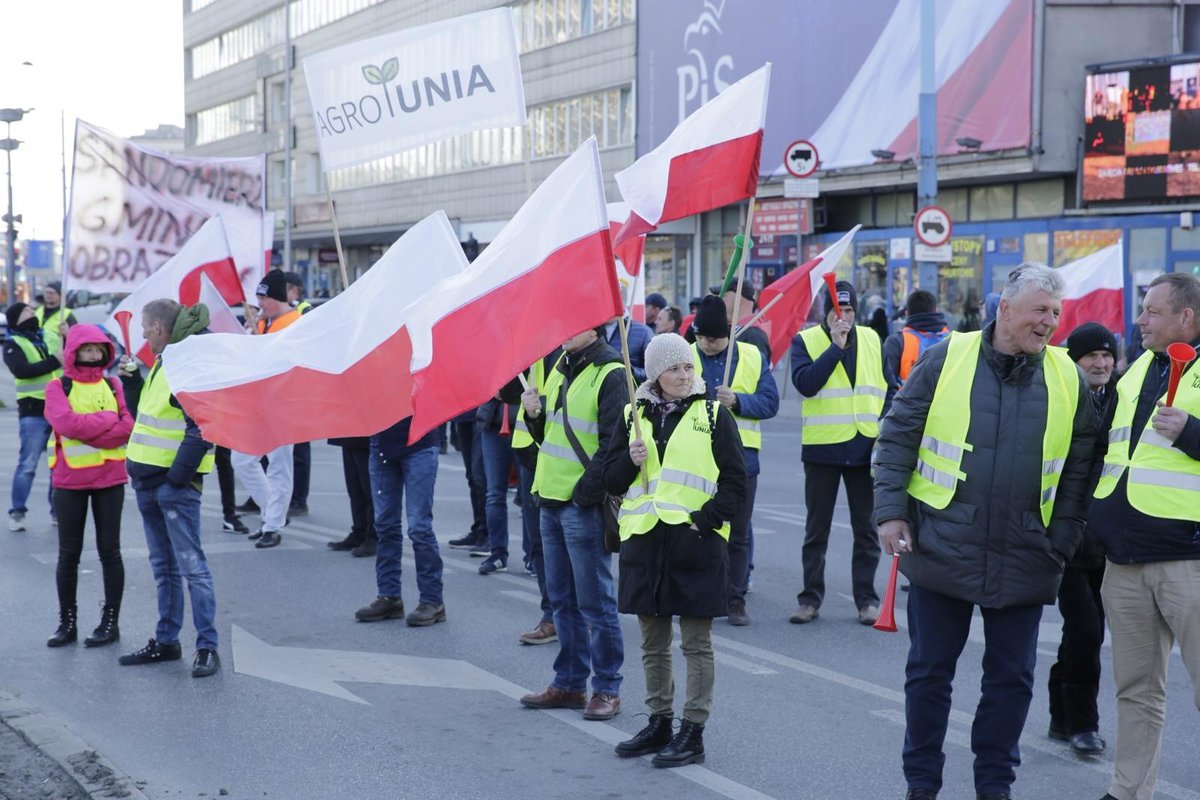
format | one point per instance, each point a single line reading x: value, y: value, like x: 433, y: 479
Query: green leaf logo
x: 390, y: 68
x: 373, y: 74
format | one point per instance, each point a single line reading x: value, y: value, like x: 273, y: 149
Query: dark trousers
x: 71, y: 506
x: 1075, y: 677
x: 820, y: 495
x: 937, y: 630
x: 740, y: 546
x: 301, y: 473
x: 471, y: 447
x: 225, y: 482
x: 356, y: 470
x: 532, y: 531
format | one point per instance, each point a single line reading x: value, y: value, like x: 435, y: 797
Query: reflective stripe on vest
x: 745, y: 381
x: 679, y: 486
x: 33, y: 387
x: 839, y: 411
x: 160, y: 427
x: 1163, y: 480
x: 944, y: 440
x: 85, y: 398
x: 558, y: 467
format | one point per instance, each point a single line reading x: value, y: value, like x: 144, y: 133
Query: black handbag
x: 611, y: 505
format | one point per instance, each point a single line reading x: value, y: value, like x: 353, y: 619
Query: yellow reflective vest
x: 49, y: 325
x: 521, y: 437
x: 682, y: 483
x: 1163, y: 480
x: 160, y: 426
x: 558, y: 468
x: 33, y: 387
x: 839, y: 411
x: 86, y: 398
x: 944, y: 440
x: 745, y: 381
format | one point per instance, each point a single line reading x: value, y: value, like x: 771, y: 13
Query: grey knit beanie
x: 665, y: 351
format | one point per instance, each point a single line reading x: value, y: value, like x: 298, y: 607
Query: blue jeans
x: 497, y: 459
x: 532, y: 534
x: 171, y: 518
x: 393, y: 480
x: 937, y: 627
x: 34, y: 432
x: 580, y: 584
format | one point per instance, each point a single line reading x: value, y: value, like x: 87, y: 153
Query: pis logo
x: 698, y: 83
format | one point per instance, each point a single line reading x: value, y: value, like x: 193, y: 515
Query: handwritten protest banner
x: 132, y: 208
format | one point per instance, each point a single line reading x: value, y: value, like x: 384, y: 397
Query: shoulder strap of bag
x: 580, y: 453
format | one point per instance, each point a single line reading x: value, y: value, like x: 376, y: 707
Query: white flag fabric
x: 221, y: 318
x: 132, y: 208
x: 380, y: 96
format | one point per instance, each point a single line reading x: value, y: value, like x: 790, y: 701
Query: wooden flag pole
x: 737, y: 298
x: 637, y: 427
x: 757, y: 315
x: 337, y: 235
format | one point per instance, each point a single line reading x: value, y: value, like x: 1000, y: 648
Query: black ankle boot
x: 686, y: 748
x: 67, y: 631
x: 107, y: 631
x: 650, y: 739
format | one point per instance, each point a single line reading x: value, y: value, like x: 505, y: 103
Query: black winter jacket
x: 613, y: 395
x: 673, y: 570
x: 988, y: 546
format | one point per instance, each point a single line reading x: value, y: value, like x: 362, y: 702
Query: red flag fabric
x: 796, y: 292
x: 1094, y: 291
x: 547, y: 276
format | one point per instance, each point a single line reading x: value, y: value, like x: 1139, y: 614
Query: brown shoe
x: 553, y: 697
x: 868, y: 614
x: 544, y: 633
x: 803, y: 614
x: 602, y: 706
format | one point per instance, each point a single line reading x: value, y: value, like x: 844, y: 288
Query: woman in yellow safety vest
x: 91, y: 426
x: 679, y: 496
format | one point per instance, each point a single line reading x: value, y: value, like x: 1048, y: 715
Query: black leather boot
x: 107, y: 631
x: 686, y: 748
x: 67, y: 631
x: 650, y: 739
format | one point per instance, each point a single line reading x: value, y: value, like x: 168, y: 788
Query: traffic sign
x: 801, y: 158
x: 941, y: 254
x: 932, y: 225
x: 802, y: 187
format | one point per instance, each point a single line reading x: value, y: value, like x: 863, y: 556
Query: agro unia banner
x: 380, y: 96
x: 132, y: 208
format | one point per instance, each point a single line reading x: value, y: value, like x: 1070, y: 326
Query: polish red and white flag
x: 628, y: 256
x: 546, y: 277
x: 710, y: 160
x: 1094, y: 292
x: 787, y: 302
x: 340, y: 370
x: 205, y: 253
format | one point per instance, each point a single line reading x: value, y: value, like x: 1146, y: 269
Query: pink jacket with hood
x: 100, y: 429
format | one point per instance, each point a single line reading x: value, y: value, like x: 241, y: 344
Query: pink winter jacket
x: 101, y: 429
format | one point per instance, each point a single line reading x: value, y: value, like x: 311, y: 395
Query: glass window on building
x: 1040, y: 198
x: 718, y: 227
x: 1147, y: 260
x: 954, y: 202
x: 667, y: 262
x: 870, y: 278
x: 542, y: 23
x: 1036, y: 248
x: 228, y: 119
x: 1185, y: 239
x: 960, y: 281
x: 991, y: 202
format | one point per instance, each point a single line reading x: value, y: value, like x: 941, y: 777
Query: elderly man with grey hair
x: 981, y: 473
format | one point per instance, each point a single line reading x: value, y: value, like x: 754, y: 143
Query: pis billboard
x: 845, y: 74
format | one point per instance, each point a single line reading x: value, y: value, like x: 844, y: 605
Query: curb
x: 92, y: 771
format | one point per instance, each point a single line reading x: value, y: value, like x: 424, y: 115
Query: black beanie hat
x: 847, y: 297
x: 274, y: 286
x: 13, y: 312
x: 1089, y: 337
x: 711, y: 318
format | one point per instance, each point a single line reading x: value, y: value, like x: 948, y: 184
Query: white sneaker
x: 16, y: 522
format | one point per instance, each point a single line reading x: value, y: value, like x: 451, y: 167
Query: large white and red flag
x: 710, y: 160
x: 221, y: 318
x: 1094, y: 292
x: 784, y: 317
x: 547, y: 276
x: 628, y: 256
x: 205, y: 253
x: 340, y: 370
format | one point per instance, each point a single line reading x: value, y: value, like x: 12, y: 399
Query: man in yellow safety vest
x: 1147, y: 516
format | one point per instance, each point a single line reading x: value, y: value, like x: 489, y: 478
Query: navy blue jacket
x: 393, y: 442
x: 763, y: 404
x: 809, y: 377
x: 640, y: 335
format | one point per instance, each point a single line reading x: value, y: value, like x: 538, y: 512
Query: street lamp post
x: 8, y: 116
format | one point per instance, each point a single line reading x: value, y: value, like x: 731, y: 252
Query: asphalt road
x: 311, y: 704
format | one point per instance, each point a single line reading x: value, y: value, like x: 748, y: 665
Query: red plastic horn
x: 122, y: 318
x: 505, y: 430
x: 887, y: 613
x: 1181, y: 354
x: 831, y: 282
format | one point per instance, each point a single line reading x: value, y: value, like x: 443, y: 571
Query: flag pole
x: 637, y: 427
x: 757, y: 315
x: 337, y: 235
x: 737, y: 298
